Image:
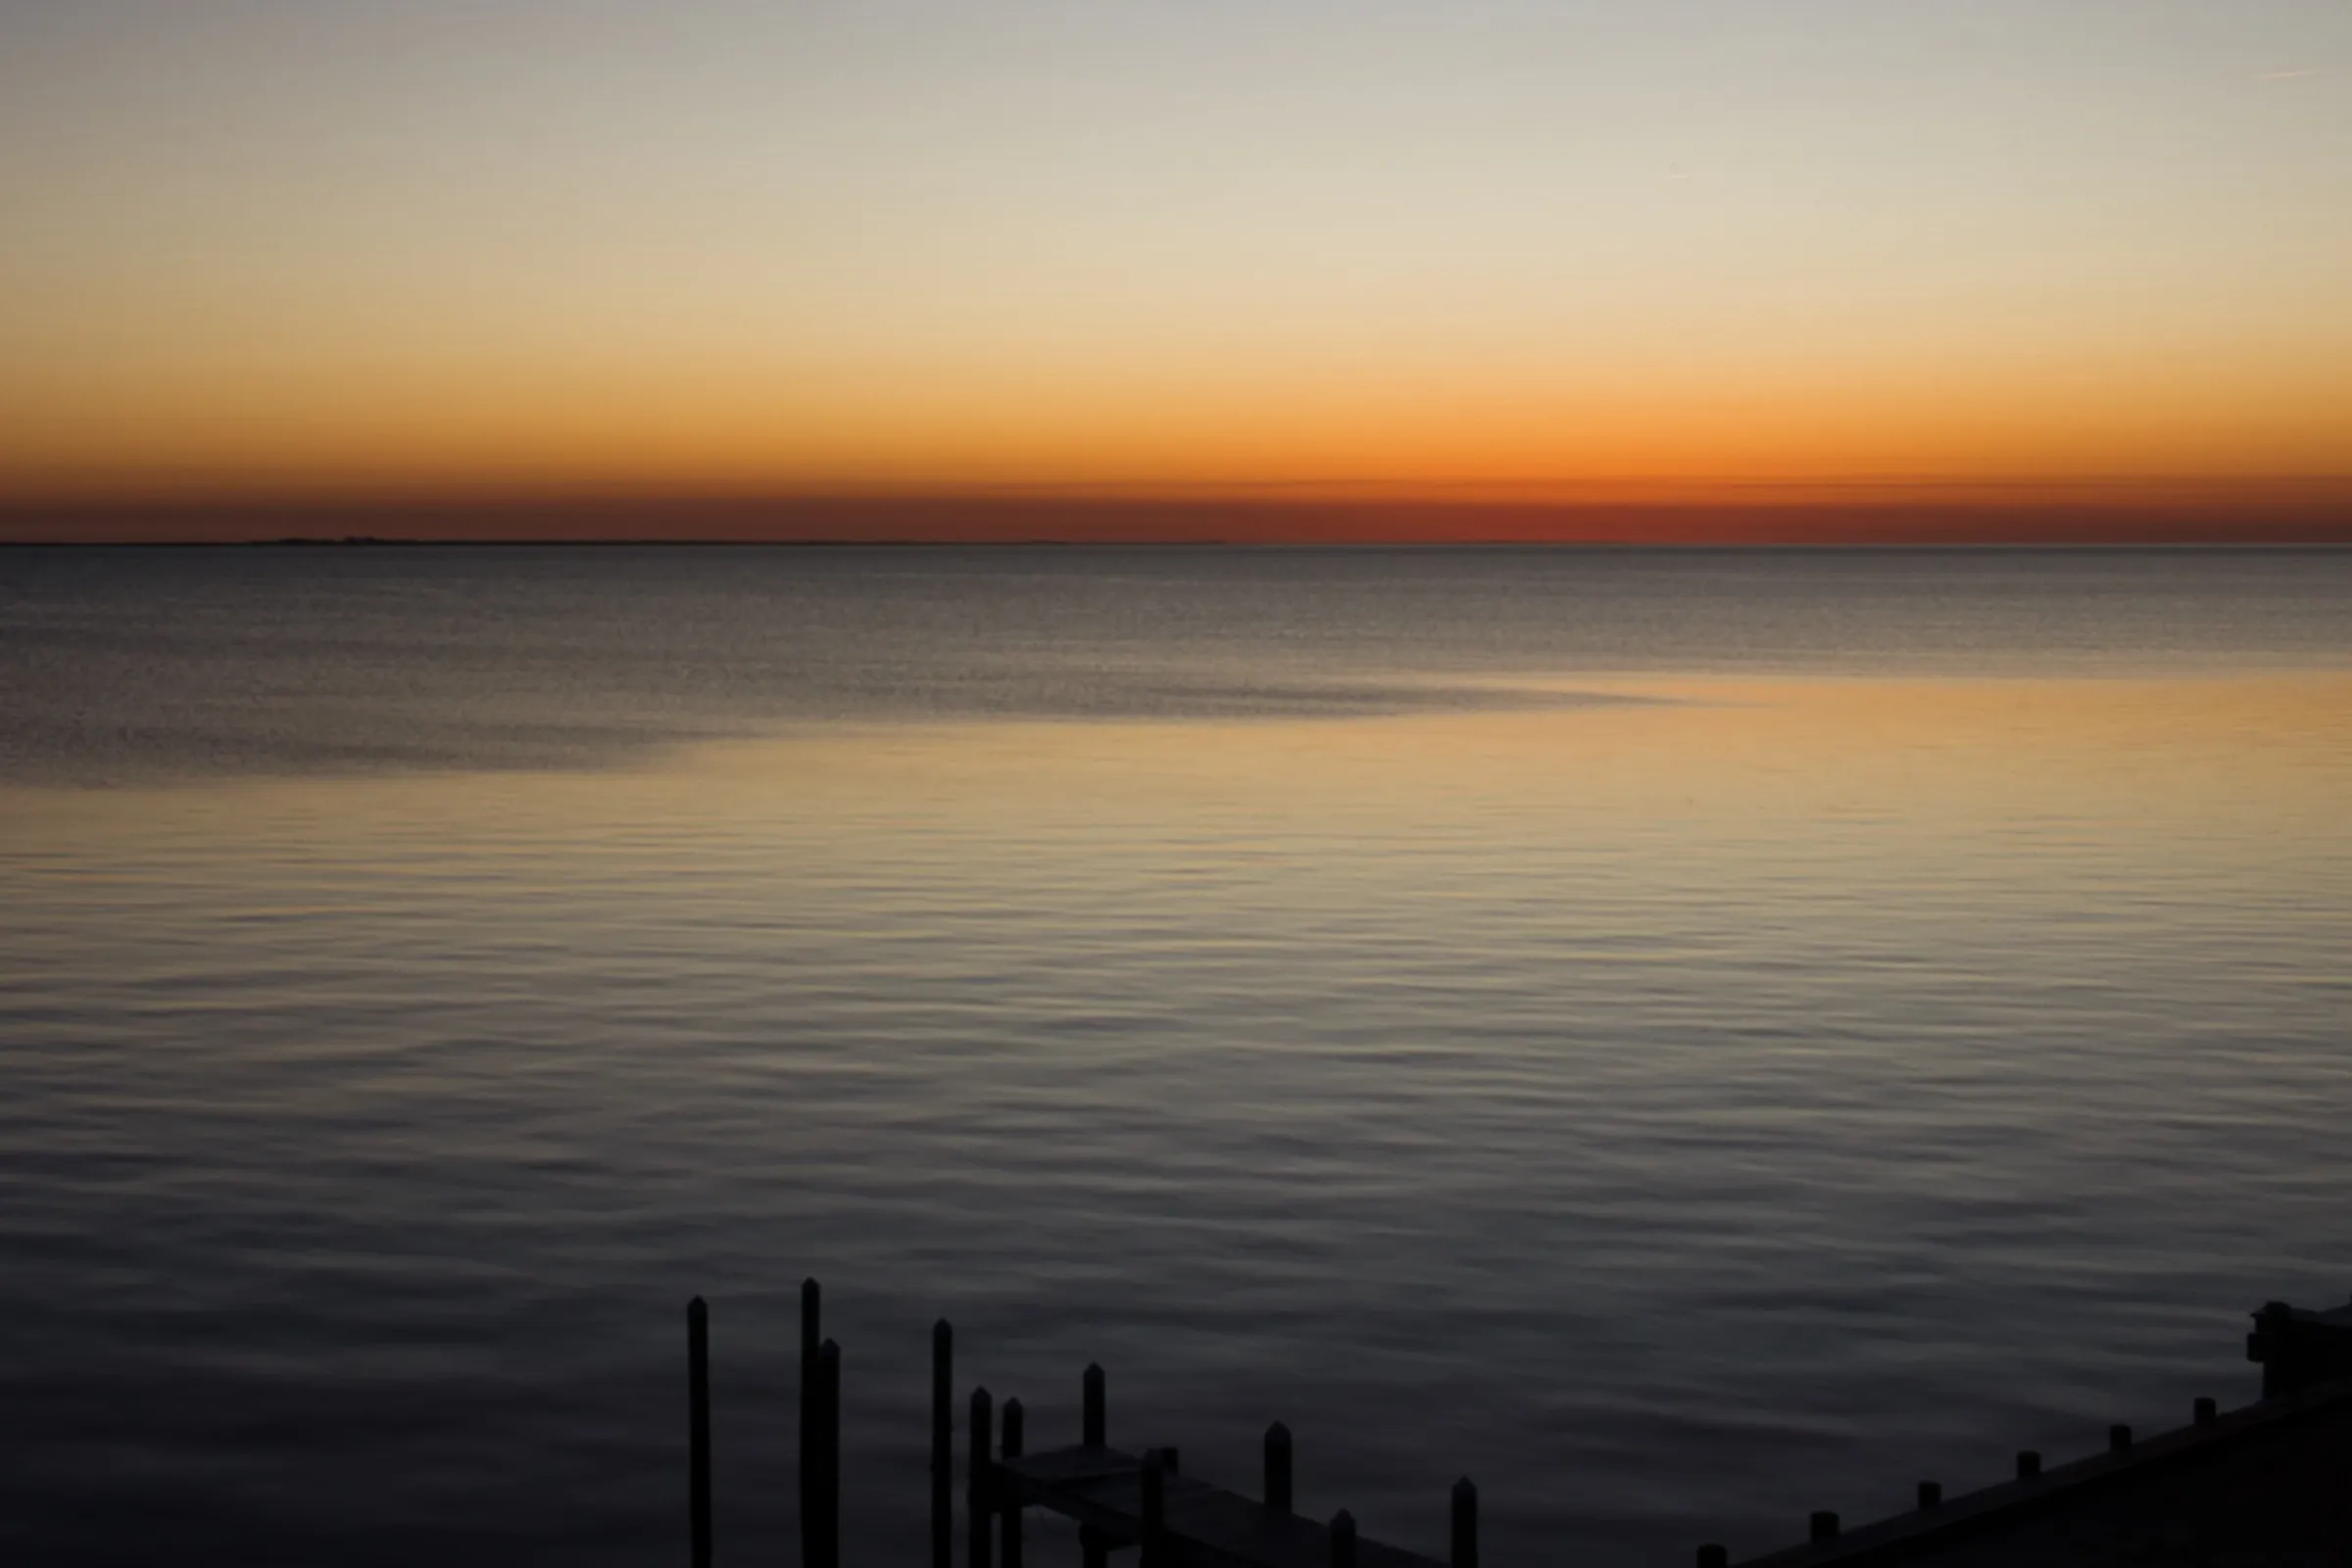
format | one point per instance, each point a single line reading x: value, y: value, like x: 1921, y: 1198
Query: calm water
x: 1684, y: 1039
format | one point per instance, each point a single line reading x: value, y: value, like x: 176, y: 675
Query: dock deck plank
x: 1203, y: 1525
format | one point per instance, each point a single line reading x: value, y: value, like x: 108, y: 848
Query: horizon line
x: 657, y: 542
x: 2118, y: 512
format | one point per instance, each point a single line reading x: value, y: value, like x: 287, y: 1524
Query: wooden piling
x: 1465, y: 1525
x: 2272, y: 1345
x: 2206, y: 1412
x: 1712, y: 1556
x: 976, y: 1478
x: 943, y: 1444
x: 1343, y: 1540
x: 698, y: 1428
x: 826, y: 1538
x: 1154, y: 1510
x: 2028, y: 1464
x: 2119, y: 1439
x: 1823, y: 1526
x: 1278, y: 1468
x: 1930, y: 1493
x: 1009, y: 1511
x: 810, y: 1302
x: 1094, y: 1551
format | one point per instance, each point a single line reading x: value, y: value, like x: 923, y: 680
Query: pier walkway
x: 2268, y: 1485
x: 1108, y: 1493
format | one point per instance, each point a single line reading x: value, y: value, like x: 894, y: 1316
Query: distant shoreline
x: 1382, y: 546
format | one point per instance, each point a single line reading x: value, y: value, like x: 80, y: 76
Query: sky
x: 1390, y: 268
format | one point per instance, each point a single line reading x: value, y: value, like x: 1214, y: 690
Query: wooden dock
x: 1194, y: 1524
x: 1146, y: 1501
x: 1118, y: 1499
x: 2269, y: 1484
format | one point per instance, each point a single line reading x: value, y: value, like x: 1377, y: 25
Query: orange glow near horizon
x: 1522, y: 257
x: 211, y: 422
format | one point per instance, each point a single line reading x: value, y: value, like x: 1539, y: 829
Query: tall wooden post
x: 943, y: 1444
x: 698, y: 1428
x: 827, y: 1507
x: 1093, y: 1431
x: 975, y: 1495
x: 810, y: 1319
x: 1009, y: 1506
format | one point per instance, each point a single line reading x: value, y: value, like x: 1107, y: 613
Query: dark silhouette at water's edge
x: 2257, y: 1484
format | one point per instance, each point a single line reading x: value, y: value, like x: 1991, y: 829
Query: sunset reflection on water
x: 1685, y: 1090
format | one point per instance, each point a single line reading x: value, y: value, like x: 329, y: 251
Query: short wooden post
x: 1092, y: 1550
x: 1823, y: 1526
x: 975, y: 1490
x: 1154, y: 1510
x: 1711, y: 1555
x: 1465, y: 1525
x: 1009, y: 1506
x: 1278, y: 1468
x: 810, y: 1319
x: 698, y: 1428
x: 2119, y: 1439
x: 2272, y: 1344
x: 2028, y: 1465
x: 2206, y: 1412
x: 827, y: 1537
x: 1343, y: 1540
x: 943, y: 1444
x: 1930, y: 1493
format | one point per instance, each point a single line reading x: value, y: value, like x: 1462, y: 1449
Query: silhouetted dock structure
x: 2268, y: 1484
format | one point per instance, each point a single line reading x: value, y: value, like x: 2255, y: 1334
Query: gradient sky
x: 1663, y: 253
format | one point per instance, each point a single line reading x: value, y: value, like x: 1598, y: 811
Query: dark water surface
x: 1683, y: 1038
